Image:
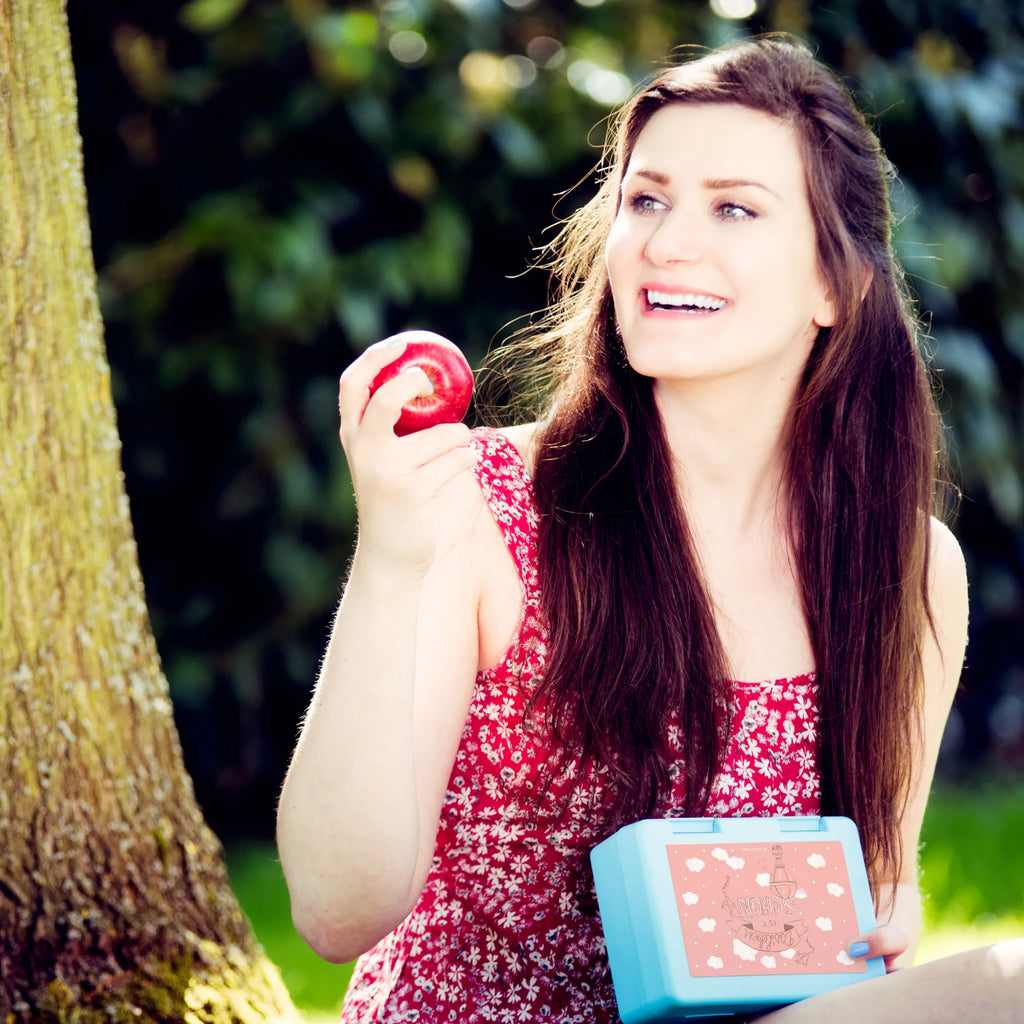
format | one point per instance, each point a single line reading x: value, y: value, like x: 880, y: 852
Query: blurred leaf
x: 962, y: 250
x: 437, y: 256
x: 519, y: 146
x: 209, y: 15
x: 989, y: 451
x: 344, y: 46
x: 298, y: 571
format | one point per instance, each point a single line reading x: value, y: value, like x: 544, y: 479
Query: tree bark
x: 114, y: 903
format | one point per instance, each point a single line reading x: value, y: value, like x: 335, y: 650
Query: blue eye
x: 733, y: 211
x: 643, y: 203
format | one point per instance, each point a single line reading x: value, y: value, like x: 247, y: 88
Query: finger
x: 411, y: 488
x: 424, y: 446
x: 444, y: 468
x: 412, y: 468
x: 418, y: 465
x: 354, y: 386
x: 888, y: 941
x: 386, y: 403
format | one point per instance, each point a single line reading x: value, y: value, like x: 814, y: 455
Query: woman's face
x: 711, y: 257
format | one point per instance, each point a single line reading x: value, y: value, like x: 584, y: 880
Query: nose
x: 675, y: 238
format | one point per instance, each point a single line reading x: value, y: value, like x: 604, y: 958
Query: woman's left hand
x: 896, y: 936
x: 890, y: 941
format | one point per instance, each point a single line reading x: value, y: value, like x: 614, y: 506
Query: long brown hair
x: 633, y: 638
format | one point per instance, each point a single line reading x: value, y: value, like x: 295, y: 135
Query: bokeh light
x: 408, y: 47
x: 602, y: 85
x: 733, y: 8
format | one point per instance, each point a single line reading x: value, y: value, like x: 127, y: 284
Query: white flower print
x: 790, y: 792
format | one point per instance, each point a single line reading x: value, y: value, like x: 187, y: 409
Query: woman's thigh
x: 985, y: 984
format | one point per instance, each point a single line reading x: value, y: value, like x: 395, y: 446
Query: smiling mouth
x: 683, y: 302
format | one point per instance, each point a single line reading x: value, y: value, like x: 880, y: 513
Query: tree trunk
x: 114, y: 903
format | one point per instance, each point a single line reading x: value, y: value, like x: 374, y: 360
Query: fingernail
x: 859, y: 949
x: 393, y: 342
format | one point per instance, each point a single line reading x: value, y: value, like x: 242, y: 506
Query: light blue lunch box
x: 708, y: 917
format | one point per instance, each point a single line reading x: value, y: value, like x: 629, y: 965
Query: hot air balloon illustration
x: 782, y: 881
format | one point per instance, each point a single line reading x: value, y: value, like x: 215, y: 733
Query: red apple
x: 449, y: 373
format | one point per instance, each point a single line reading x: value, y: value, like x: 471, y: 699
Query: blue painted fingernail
x: 393, y: 342
x: 858, y: 949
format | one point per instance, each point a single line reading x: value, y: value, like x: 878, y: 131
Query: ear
x: 825, y: 314
x: 865, y: 282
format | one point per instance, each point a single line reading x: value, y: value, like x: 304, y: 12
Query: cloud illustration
x: 743, y: 951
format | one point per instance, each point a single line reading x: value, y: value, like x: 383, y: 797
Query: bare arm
x: 942, y: 656
x: 361, y: 801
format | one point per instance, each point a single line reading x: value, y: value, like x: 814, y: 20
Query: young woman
x: 705, y: 581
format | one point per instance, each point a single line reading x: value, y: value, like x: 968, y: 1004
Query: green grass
x: 972, y: 865
x: 316, y: 986
x: 972, y: 874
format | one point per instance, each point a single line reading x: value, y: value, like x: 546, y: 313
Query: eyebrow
x: 711, y: 184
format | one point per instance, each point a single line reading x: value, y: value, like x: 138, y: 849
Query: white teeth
x: 684, y: 299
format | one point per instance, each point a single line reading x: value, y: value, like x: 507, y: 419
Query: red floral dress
x: 506, y: 928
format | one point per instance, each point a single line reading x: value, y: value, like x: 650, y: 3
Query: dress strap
x: 505, y: 482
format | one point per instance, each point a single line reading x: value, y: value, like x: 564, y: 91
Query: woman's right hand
x: 361, y: 803
x: 396, y: 479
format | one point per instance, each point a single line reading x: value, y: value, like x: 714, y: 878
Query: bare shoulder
x: 947, y: 595
x: 523, y: 438
x: 461, y: 511
x: 469, y: 565
x: 501, y: 589
x: 463, y: 507
x: 948, y: 571
x: 944, y: 544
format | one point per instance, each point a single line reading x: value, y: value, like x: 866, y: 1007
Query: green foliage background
x: 275, y: 184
